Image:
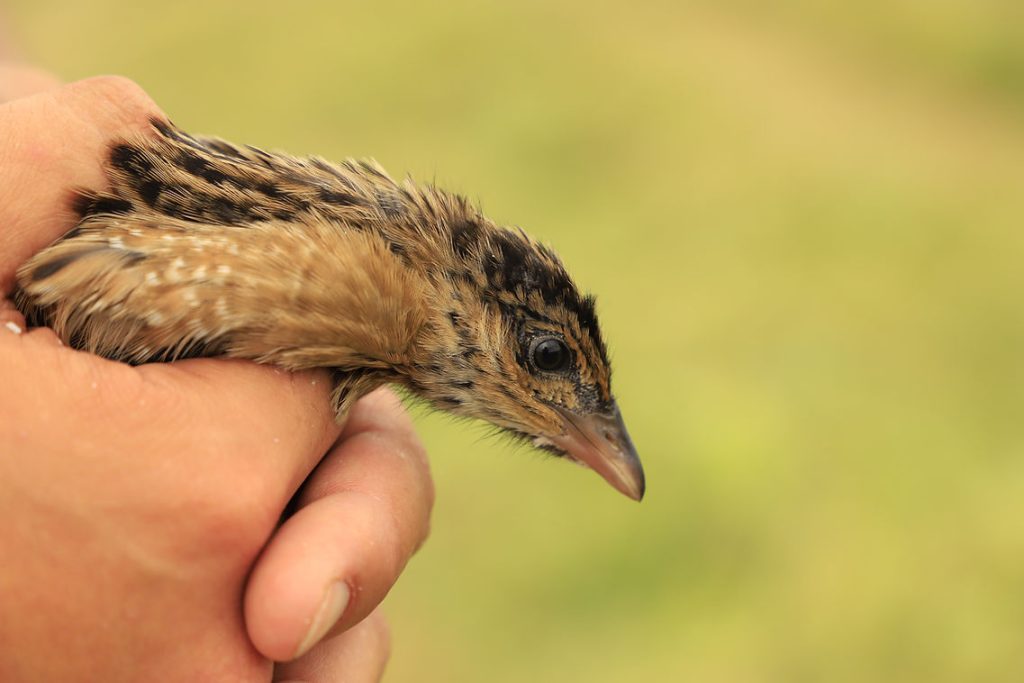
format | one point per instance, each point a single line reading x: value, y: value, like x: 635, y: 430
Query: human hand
x: 142, y: 505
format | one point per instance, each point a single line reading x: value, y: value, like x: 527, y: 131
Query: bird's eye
x: 550, y: 354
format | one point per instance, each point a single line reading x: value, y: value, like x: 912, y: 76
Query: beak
x: 600, y: 441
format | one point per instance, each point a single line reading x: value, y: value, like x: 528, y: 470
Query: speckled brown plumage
x: 204, y: 248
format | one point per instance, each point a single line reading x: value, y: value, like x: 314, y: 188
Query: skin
x: 142, y: 536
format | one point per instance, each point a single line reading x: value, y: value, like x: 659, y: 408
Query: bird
x: 204, y: 248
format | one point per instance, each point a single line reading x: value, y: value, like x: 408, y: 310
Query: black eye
x: 550, y: 354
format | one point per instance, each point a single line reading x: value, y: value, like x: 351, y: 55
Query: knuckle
x: 406, y: 494
x: 111, y: 86
x: 121, y: 88
x: 394, y: 552
x: 423, y: 492
x: 120, y: 95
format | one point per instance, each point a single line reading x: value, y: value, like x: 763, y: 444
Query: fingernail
x: 326, y: 616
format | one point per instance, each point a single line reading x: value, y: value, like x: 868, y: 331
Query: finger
x: 358, y: 655
x: 364, y: 512
x: 260, y: 428
x: 285, y: 419
x: 21, y: 80
x: 52, y: 143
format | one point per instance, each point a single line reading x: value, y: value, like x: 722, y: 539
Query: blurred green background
x: 804, y: 224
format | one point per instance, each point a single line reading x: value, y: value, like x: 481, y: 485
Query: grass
x: 804, y: 227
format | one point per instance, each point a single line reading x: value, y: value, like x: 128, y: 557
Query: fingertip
x: 362, y: 515
x: 301, y: 585
x: 358, y: 654
x: 326, y: 568
x: 336, y: 599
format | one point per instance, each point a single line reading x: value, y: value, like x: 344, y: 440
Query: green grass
x: 804, y: 228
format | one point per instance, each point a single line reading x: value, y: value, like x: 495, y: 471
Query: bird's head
x: 512, y: 341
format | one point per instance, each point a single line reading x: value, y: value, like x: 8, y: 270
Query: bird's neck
x: 362, y: 303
